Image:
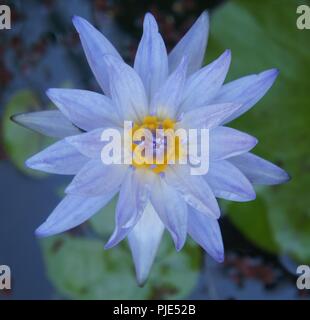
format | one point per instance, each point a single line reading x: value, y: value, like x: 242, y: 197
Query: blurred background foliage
x: 265, y: 239
x: 262, y: 37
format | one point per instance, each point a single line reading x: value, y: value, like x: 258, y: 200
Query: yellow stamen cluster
x: 155, y: 125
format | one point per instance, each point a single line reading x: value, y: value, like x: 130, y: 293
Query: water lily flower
x: 160, y: 90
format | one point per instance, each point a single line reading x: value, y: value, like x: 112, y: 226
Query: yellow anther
x: 168, y: 124
x: 170, y: 152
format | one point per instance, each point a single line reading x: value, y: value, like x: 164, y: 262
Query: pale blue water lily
x: 160, y: 85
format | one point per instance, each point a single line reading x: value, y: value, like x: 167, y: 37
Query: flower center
x: 155, y: 144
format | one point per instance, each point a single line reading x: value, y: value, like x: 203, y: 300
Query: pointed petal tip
x: 150, y: 21
x: 142, y: 276
x: 218, y: 254
x: 250, y: 193
x: 204, y: 18
x: 280, y: 175
x: 220, y: 257
x: 249, y: 142
x: 36, y: 164
x: 77, y: 20
x: 217, y: 213
x: 31, y: 163
x: 18, y: 119
x: 225, y: 59
x: 43, y: 231
x: 227, y: 53
x: 74, y: 18
x: 28, y: 163
x: 285, y: 178
x: 108, y: 245
x: 205, y: 14
x: 178, y: 241
x: 288, y: 177
x: 193, y: 44
x: 114, y: 240
x: 253, y: 141
x: 141, y: 281
x: 149, y: 15
x: 40, y: 232
x: 179, y: 247
x: 259, y: 170
x: 21, y: 119
x: 14, y: 118
x: 111, y: 241
x: 271, y: 74
x: 235, y: 107
x: 51, y: 93
x: 275, y: 71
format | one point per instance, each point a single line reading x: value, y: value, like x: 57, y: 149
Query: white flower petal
x: 228, y: 182
x: 206, y: 232
x: 86, y: 109
x: 192, y: 45
x: 51, y: 123
x: 172, y: 210
x: 59, y: 158
x: 259, y: 170
x: 151, y: 62
x: 167, y: 100
x: 203, y: 85
x: 95, y: 47
x: 127, y: 90
x: 227, y: 142
x: 133, y: 198
x: 144, y: 240
x: 207, y: 117
x: 71, y: 212
x: 194, y: 189
x: 89, y: 143
x: 247, y: 91
x: 96, y: 178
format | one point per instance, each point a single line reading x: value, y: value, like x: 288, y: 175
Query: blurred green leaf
x: 80, y: 268
x: 20, y: 143
x: 263, y: 35
x: 253, y: 220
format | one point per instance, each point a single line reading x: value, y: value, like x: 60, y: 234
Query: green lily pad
x: 20, y: 143
x: 80, y: 268
x: 264, y: 35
